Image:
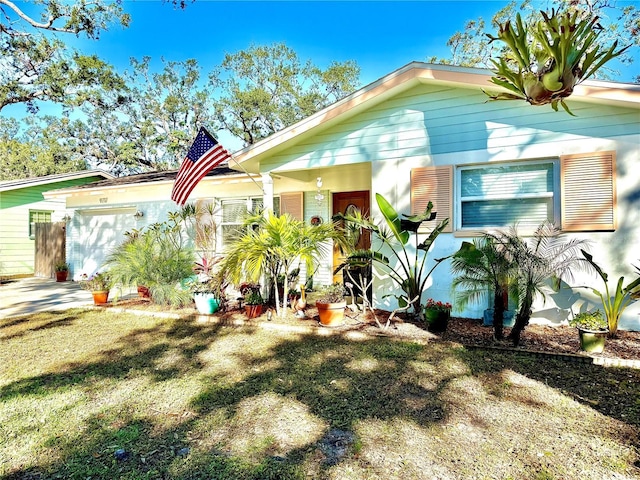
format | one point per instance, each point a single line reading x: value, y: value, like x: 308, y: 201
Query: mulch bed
x: 543, y: 338
x: 469, y: 332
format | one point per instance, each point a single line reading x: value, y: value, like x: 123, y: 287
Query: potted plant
x: 99, y: 285
x: 614, y: 304
x: 207, y: 288
x: 206, y: 295
x: 437, y: 314
x: 592, y: 328
x: 331, y: 304
x: 253, y: 301
x: 62, y: 271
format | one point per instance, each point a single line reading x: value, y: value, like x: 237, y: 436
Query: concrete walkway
x: 30, y: 295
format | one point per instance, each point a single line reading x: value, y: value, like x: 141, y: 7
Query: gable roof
x: 9, y: 185
x: 404, y: 78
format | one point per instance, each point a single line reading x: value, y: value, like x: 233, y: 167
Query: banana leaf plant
x: 543, y: 62
x: 407, y: 264
x: 614, y: 305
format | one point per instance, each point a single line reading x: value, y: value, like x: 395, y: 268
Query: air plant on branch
x: 546, y: 60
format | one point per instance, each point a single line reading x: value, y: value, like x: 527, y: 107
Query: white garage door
x: 96, y: 234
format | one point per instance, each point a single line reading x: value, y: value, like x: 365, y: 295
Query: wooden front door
x: 345, y: 202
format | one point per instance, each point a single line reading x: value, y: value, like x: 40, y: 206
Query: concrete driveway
x: 31, y: 295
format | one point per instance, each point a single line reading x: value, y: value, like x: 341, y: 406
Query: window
x: 508, y: 194
x: 37, y: 216
x: 233, y: 212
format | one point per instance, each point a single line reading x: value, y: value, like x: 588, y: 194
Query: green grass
x: 188, y: 401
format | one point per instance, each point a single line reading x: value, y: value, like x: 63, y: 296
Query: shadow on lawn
x: 611, y: 391
x: 339, y: 382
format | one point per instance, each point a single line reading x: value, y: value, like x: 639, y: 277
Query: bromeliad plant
x: 593, y: 321
x: 399, y: 236
x: 545, y: 61
x: 614, y: 305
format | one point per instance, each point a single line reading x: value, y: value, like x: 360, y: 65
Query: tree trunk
x: 522, y: 319
x: 498, y: 313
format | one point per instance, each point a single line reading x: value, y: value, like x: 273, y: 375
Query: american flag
x: 204, y: 154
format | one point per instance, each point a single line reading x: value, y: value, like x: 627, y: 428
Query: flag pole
x: 247, y: 173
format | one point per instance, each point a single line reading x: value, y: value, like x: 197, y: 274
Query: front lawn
x: 104, y: 394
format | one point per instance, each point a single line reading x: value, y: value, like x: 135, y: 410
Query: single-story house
x: 22, y: 206
x: 428, y: 132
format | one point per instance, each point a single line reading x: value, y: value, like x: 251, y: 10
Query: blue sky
x: 380, y: 36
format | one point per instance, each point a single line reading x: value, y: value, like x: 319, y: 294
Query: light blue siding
x: 435, y: 120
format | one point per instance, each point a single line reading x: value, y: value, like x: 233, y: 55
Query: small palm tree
x: 543, y: 62
x: 271, y: 245
x: 544, y: 256
x: 481, y: 267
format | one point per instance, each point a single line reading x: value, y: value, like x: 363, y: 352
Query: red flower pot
x: 253, y: 311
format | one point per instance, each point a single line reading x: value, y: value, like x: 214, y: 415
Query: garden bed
x: 471, y: 332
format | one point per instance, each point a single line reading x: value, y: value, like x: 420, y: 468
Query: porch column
x: 267, y: 191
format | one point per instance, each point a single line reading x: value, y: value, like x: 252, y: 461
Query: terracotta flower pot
x: 331, y: 314
x: 101, y: 297
x: 143, y: 292
x: 253, y: 311
x: 61, y: 276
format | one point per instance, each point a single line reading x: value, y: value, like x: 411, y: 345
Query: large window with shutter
x: 576, y: 192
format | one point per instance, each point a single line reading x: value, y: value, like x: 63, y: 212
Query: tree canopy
x: 148, y: 120
x: 266, y: 88
x: 37, y: 65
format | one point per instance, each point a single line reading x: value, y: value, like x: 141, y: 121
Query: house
x: 427, y: 132
x: 22, y: 206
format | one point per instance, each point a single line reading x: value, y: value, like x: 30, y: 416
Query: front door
x: 345, y: 203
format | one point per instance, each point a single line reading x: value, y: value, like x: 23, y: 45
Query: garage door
x: 96, y: 234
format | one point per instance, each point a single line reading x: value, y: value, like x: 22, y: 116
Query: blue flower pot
x: 509, y: 318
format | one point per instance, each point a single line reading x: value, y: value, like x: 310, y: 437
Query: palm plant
x: 399, y: 236
x: 482, y: 267
x: 271, y: 245
x: 545, y: 61
x: 158, y: 258
x: 544, y: 256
